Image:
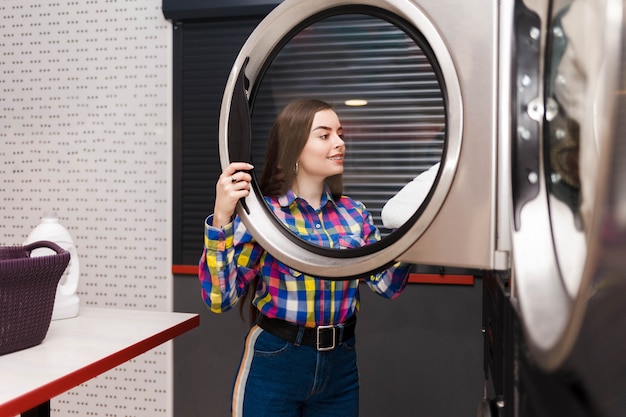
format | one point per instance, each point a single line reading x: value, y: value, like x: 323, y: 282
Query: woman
x: 299, y: 357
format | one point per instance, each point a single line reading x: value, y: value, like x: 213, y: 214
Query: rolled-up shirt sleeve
x: 228, y: 263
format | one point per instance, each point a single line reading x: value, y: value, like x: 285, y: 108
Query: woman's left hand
x: 232, y: 185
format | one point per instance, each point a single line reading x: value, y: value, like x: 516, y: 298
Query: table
x: 80, y: 348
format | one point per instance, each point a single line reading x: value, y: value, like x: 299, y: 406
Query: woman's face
x: 324, y: 151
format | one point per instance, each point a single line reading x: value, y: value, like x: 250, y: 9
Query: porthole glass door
x: 392, y: 83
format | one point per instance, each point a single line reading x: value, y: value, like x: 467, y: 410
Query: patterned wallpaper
x: 85, y: 131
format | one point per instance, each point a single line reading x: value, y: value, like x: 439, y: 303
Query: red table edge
x: 38, y: 396
x: 455, y: 279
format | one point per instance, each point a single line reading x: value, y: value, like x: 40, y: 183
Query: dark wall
x: 419, y: 355
x: 194, y: 9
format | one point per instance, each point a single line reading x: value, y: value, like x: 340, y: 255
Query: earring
x: 297, y: 168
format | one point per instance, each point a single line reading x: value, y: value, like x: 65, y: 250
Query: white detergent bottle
x: 66, y: 302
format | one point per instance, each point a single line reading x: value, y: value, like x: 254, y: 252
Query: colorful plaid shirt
x: 232, y: 258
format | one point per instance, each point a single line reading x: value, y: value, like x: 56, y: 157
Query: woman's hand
x: 232, y: 185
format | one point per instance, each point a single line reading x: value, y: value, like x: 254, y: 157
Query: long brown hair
x: 288, y: 137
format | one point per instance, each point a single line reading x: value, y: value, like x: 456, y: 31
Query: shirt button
x: 317, y: 225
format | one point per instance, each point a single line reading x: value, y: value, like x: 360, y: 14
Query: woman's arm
x: 230, y: 255
x: 229, y: 262
x: 390, y: 282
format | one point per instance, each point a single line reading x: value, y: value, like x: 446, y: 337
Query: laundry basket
x: 27, y: 291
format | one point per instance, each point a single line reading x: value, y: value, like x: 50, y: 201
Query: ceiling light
x: 356, y: 102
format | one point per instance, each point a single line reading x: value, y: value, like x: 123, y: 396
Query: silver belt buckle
x: 325, y: 348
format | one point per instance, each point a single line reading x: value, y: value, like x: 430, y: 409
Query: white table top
x: 80, y: 348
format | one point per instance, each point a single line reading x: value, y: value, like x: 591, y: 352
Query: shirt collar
x: 289, y: 197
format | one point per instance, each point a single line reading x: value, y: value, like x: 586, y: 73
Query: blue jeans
x: 278, y: 379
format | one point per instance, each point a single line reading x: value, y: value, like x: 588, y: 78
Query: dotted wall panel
x: 85, y: 131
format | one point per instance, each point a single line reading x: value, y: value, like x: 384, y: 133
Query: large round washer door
x: 568, y: 192
x: 418, y: 113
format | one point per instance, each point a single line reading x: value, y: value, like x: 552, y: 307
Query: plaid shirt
x: 232, y: 258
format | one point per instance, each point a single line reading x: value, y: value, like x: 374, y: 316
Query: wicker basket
x: 28, y: 287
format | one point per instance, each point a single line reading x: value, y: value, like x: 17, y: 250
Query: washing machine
x: 519, y: 108
x: 415, y: 84
x: 555, y: 324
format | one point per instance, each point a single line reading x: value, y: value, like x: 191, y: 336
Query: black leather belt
x: 322, y: 337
